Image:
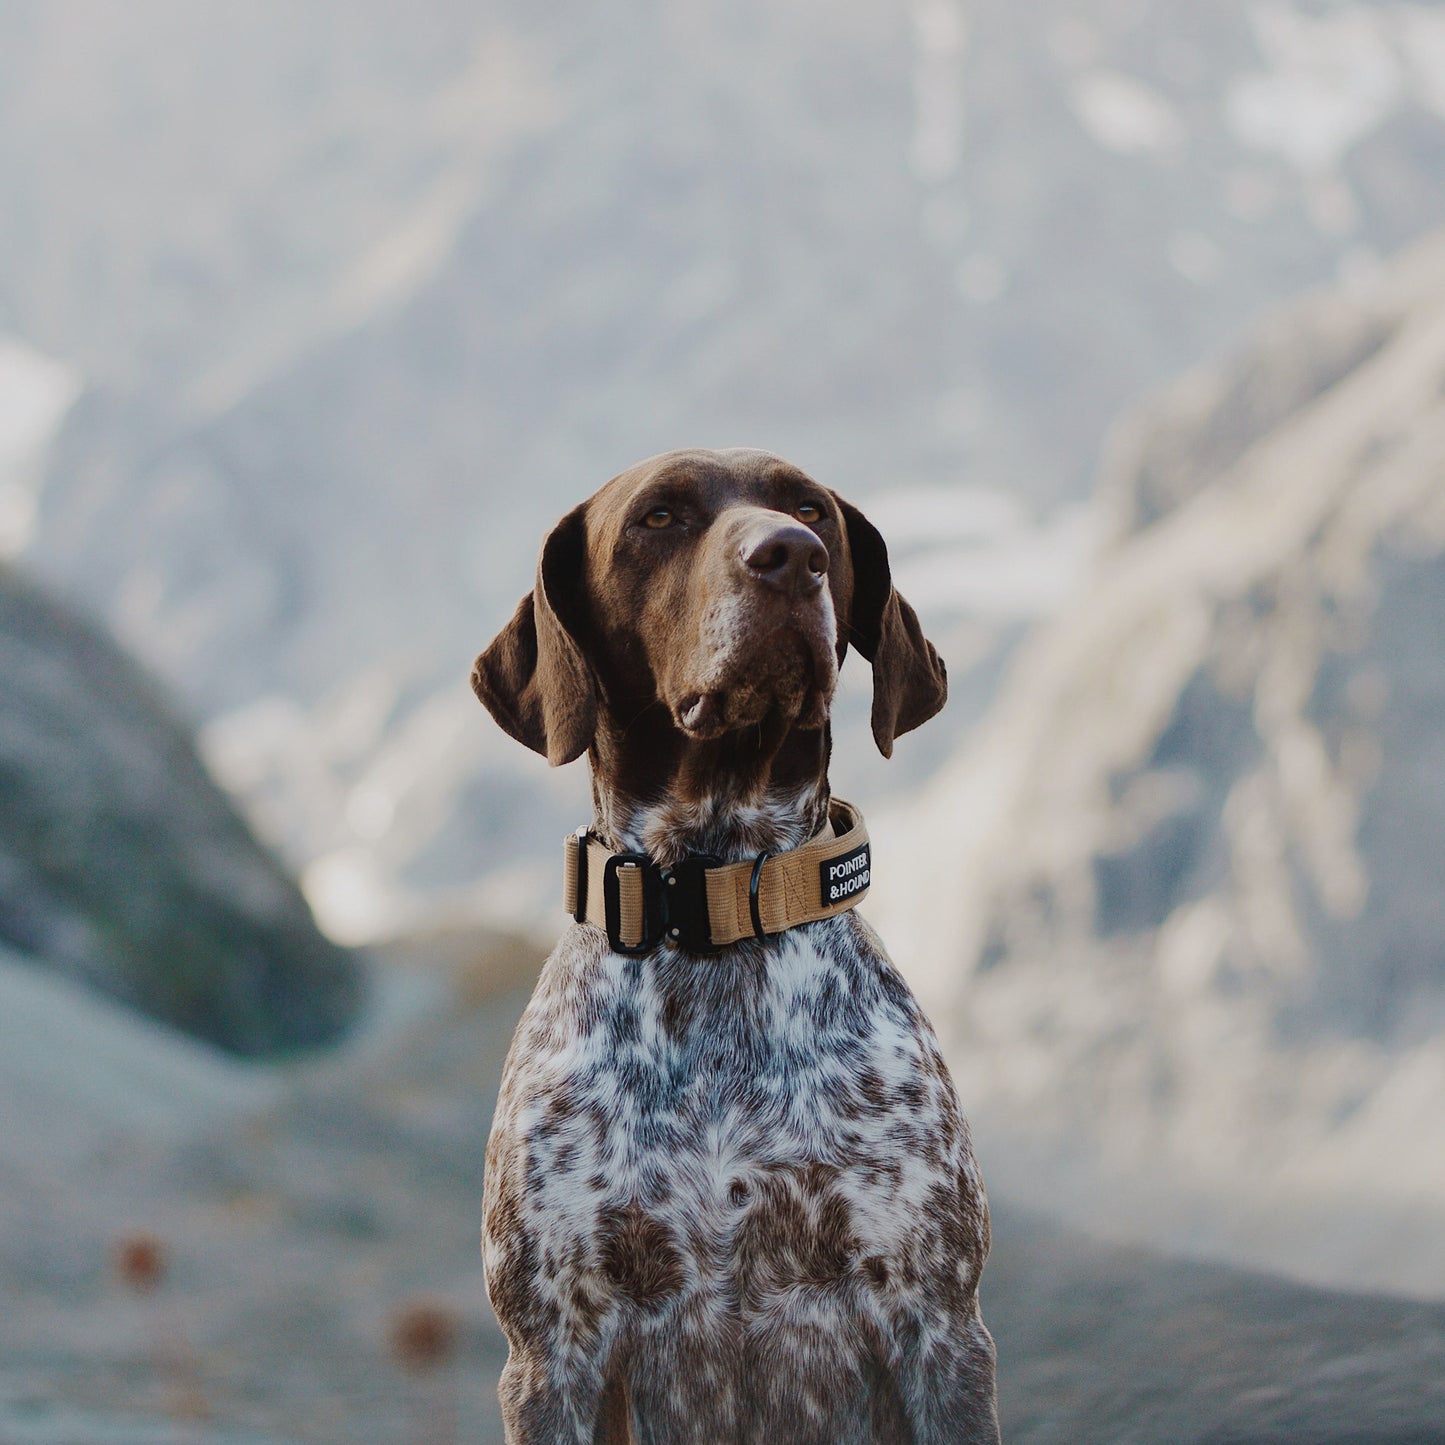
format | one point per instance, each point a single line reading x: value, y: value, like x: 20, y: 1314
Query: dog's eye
x: 658, y: 517
x: 809, y: 512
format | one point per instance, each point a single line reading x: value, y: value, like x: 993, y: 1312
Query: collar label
x: 842, y: 877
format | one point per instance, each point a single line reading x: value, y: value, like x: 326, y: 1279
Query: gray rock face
x: 1360, y: 610
x: 122, y: 864
x: 1197, y: 936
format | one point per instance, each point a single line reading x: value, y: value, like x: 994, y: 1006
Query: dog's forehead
x: 741, y: 473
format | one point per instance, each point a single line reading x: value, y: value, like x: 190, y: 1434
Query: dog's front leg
x: 947, y: 1385
x: 575, y: 1404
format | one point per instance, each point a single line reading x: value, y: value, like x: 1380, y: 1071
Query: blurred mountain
x: 124, y: 866
x: 364, y: 296
x: 1179, y: 904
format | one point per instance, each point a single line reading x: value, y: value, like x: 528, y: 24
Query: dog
x: 730, y: 1194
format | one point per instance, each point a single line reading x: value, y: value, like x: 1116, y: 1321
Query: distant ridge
x: 364, y: 301
x: 1194, y: 943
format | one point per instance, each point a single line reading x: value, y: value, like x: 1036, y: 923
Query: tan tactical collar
x: 701, y: 904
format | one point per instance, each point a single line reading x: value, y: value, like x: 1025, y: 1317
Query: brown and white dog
x: 730, y: 1194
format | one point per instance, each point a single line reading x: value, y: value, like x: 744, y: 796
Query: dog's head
x: 724, y: 586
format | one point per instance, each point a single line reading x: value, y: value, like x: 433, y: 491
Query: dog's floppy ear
x: 910, y: 683
x: 534, y: 678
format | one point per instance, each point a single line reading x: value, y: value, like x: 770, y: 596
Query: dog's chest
x: 796, y: 1082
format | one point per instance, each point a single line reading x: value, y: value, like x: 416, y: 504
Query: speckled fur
x: 730, y: 1197
x: 743, y: 1188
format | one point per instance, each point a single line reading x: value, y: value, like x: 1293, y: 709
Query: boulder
x: 124, y: 866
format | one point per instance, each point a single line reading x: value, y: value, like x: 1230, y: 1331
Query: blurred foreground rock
x: 1178, y: 907
x: 300, y: 1226
x: 124, y: 866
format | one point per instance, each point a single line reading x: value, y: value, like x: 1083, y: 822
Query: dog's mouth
x: 793, y: 684
x: 706, y: 715
x: 756, y: 659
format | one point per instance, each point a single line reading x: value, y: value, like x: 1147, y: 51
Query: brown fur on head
x: 702, y: 598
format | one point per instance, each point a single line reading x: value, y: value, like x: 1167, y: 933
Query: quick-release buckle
x: 684, y: 897
x: 674, y: 903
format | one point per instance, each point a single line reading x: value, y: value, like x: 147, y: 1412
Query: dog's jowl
x: 730, y: 1194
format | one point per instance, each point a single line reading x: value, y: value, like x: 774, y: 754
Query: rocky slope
x: 124, y: 866
x: 1179, y: 903
x: 298, y: 1222
x: 363, y: 301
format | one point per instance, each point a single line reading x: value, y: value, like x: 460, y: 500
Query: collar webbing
x: 699, y: 903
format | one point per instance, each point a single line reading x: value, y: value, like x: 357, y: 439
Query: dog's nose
x: 789, y: 558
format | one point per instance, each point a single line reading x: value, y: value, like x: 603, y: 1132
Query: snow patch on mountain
x: 1332, y: 76
x: 35, y: 393
x: 983, y: 554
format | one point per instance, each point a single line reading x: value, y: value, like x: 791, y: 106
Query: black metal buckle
x: 674, y: 903
x: 684, y: 897
x: 652, y: 906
